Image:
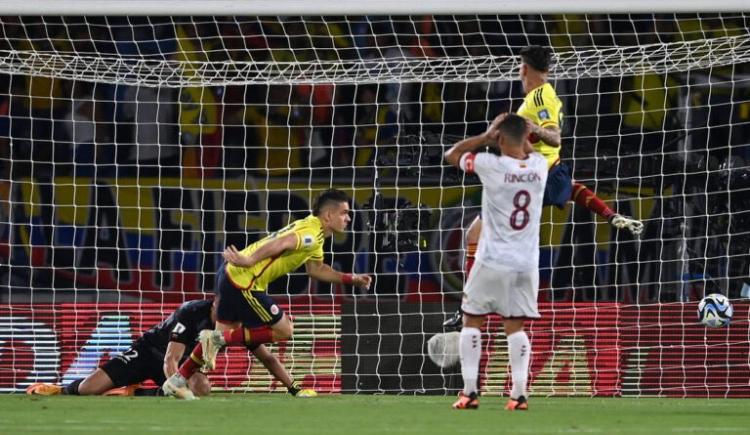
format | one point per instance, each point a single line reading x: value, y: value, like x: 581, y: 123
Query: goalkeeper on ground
x: 157, y: 354
x: 246, y: 314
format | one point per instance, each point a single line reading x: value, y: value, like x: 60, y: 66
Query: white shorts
x: 507, y: 292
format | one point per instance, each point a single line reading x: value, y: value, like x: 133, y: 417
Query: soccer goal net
x: 133, y: 149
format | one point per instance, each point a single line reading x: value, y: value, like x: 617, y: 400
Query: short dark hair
x: 327, y: 197
x: 537, y: 57
x: 514, y: 127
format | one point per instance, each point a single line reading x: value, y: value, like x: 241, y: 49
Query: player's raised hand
x: 492, y: 131
x: 233, y: 256
x: 361, y: 280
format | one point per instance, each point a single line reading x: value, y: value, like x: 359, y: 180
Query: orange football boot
x: 42, y: 389
x: 520, y: 404
x: 466, y: 402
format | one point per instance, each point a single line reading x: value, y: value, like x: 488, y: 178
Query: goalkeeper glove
x: 296, y: 390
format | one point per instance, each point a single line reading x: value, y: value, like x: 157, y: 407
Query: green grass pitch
x: 365, y: 414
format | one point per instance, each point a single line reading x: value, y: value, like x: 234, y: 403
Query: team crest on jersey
x: 307, y: 240
x: 543, y: 115
x: 274, y: 309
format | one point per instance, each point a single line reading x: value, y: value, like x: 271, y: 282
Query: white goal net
x: 134, y: 149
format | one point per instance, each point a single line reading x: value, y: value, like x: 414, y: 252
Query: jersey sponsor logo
x: 307, y: 240
x: 530, y: 177
x: 274, y: 309
x: 543, y: 115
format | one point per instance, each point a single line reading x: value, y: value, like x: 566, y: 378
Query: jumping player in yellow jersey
x: 246, y: 314
x: 543, y: 112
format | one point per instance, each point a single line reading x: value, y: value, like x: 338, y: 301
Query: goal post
x: 133, y: 149
x: 343, y: 7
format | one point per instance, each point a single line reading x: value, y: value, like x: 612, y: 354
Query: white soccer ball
x: 715, y: 310
x: 442, y: 348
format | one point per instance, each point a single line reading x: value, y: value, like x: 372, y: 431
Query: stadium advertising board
x: 603, y: 349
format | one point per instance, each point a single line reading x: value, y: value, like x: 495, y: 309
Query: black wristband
x: 294, y: 388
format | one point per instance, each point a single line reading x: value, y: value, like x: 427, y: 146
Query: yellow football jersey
x: 544, y: 108
x: 310, y: 238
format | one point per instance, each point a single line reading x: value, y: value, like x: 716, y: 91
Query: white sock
x: 519, y: 349
x: 470, y: 349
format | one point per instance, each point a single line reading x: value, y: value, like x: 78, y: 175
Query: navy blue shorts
x: 252, y: 308
x: 559, y: 186
x: 137, y: 364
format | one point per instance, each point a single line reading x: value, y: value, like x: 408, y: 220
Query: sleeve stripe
x: 538, y: 97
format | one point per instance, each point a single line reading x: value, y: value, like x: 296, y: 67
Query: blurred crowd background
x: 111, y: 130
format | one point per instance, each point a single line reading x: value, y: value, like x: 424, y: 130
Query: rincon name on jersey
x: 531, y: 177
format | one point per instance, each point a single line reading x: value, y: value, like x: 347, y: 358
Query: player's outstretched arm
x: 271, y: 249
x: 324, y: 272
x: 277, y: 369
x: 172, y: 358
x: 549, y: 135
x: 273, y: 365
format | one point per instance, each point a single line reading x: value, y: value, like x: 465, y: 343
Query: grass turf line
x: 364, y: 414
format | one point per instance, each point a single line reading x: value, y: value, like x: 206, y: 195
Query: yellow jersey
x: 544, y: 108
x: 310, y: 238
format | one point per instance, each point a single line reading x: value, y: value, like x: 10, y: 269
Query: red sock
x: 192, y: 364
x: 234, y: 336
x: 471, y: 251
x: 248, y: 336
x: 584, y: 197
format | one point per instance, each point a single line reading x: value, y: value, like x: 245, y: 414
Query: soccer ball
x: 715, y: 310
x: 442, y: 348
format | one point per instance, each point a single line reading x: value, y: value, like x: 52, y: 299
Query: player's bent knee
x: 86, y: 389
x: 511, y: 326
x: 95, y: 384
x: 473, y: 321
x: 283, y: 329
x: 199, y: 384
x: 282, y: 333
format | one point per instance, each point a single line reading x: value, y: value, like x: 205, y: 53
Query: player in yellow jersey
x: 543, y: 111
x: 246, y: 314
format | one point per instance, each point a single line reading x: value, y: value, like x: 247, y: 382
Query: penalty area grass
x: 366, y: 414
